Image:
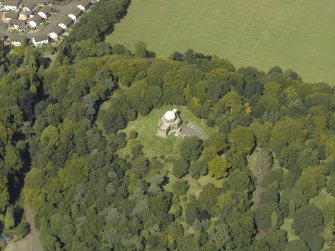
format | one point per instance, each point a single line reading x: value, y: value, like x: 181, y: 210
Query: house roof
x: 40, y: 37
x: 30, y: 5
x: 11, y: 3
x: 16, y: 22
x: 15, y: 38
x: 85, y: 3
x: 76, y: 12
x: 23, y: 13
x: 57, y: 30
x: 2, y: 37
x: 37, y: 19
x: 10, y: 15
x: 66, y: 21
x: 46, y: 9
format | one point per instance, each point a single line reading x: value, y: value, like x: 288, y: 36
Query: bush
x: 191, y: 214
x: 180, y: 168
x: 133, y: 134
x: 180, y: 187
x: 198, y: 168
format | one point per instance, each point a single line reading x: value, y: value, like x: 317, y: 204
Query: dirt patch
x: 29, y: 243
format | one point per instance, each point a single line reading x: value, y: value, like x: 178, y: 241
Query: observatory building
x: 169, y: 122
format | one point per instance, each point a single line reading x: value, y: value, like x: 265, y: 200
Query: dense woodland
x: 272, y: 154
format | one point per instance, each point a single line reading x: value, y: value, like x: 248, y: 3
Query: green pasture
x: 296, y: 34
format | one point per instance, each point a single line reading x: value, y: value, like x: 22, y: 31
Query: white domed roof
x: 169, y: 115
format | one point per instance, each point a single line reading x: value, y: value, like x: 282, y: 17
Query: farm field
x: 291, y: 34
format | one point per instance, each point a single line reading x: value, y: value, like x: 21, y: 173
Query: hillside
x: 265, y: 168
x: 108, y: 148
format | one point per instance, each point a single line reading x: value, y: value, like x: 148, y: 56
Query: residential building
x: 75, y: 14
x: 56, y: 33
x: 84, y: 5
x: 65, y: 22
x: 3, y: 37
x: 16, y: 24
x: 23, y: 16
x: 29, y: 7
x: 35, y: 21
x: 15, y: 40
x: 45, y: 11
x: 11, y: 5
x: 10, y: 15
x: 40, y: 40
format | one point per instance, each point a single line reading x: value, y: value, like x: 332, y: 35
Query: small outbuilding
x: 168, y: 123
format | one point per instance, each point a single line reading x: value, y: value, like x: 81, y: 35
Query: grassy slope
x: 155, y: 146
x: 292, y: 34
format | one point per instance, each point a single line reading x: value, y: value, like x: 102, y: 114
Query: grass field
x: 292, y: 34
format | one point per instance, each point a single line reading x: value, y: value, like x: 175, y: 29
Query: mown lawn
x: 291, y: 34
x: 154, y: 146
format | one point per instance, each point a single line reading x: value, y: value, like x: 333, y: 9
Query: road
x: 62, y: 11
x: 31, y: 241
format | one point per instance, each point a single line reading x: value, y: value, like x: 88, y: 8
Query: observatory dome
x: 170, y: 116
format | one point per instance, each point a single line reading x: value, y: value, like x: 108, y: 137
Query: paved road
x: 62, y: 11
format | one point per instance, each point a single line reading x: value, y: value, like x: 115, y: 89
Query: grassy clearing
x: 322, y: 199
x: 291, y: 34
x: 155, y: 146
x: 259, y: 177
x: 291, y: 236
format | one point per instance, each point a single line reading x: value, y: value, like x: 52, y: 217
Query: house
x: 65, y: 22
x: 11, y: 5
x: 55, y: 34
x: 10, y: 15
x: 23, y: 16
x: 168, y: 123
x: 45, y: 12
x: 15, y: 40
x: 40, y: 40
x: 29, y: 7
x: 3, y: 38
x: 35, y: 21
x: 16, y: 24
x: 84, y: 5
x: 75, y: 14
